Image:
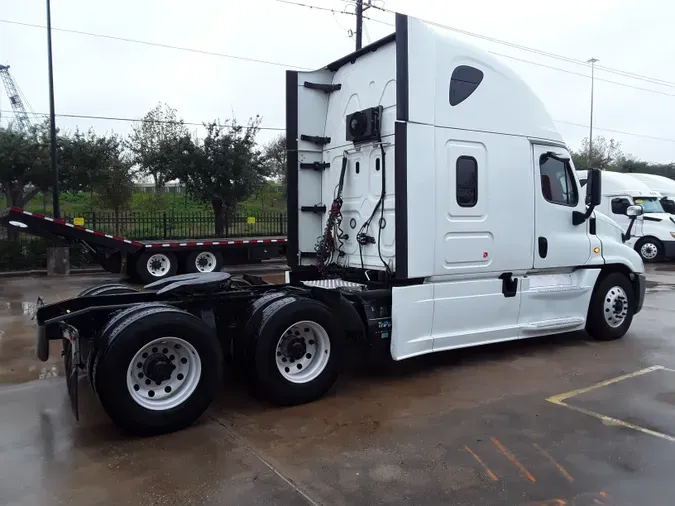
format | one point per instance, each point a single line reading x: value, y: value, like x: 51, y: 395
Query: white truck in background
x: 652, y: 235
x: 664, y: 185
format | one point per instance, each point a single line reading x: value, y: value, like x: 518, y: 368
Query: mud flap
x: 72, y: 375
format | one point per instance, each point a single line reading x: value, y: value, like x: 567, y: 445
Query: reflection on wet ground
x: 549, y: 422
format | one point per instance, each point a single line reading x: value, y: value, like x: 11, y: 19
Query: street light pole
x: 52, y: 117
x: 590, y: 137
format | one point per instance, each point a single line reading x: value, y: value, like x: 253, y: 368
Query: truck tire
x: 612, y: 308
x: 650, y: 249
x: 109, y: 289
x: 204, y: 261
x: 158, y: 370
x: 154, y: 265
x: 92, y: 359
x: 298, y: 351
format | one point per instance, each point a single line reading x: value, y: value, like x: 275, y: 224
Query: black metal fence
x: 168, y: 225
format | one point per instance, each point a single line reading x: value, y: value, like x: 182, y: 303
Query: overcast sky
x: 103, y: 77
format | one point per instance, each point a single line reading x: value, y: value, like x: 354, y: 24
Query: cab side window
x: 619, y: 205
x: 557, y: 182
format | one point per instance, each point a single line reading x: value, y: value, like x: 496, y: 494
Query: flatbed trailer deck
x: 149, y: 260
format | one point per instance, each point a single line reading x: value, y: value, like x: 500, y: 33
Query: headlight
x: 672, y: 234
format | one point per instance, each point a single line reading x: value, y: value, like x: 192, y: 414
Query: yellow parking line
x: 557, y: 399
x: 608, y: 420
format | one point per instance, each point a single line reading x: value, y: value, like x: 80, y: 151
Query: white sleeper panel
x: 412, y: 315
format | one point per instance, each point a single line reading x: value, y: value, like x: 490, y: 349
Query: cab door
x: 558, y: 242
x: 555, y: 295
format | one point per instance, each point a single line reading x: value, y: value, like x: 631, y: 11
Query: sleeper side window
x: 463, y: 83
x: 466, y: 181
x: 619, y: 205
x: 557, y: 182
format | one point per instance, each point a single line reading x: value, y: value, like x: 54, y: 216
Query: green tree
x: 275, y: 157
x: 85, y: 160
x: 605, y: 155
x: 24, y: 165
x: 159, y: 128
x: 224, y: 169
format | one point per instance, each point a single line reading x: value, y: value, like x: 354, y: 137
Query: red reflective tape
x: 99, y: 233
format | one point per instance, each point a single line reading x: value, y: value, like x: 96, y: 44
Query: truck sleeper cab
x: 432, y: 205
x: 652, y: 234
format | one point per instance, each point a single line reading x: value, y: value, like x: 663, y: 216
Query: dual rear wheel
x: 156, y: 368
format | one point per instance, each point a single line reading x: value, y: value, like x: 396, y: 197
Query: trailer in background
x: 148, y: 261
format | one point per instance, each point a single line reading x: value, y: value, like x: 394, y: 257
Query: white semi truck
x: 664, y: 185
x: 652, y: 234
x: 432, y: 205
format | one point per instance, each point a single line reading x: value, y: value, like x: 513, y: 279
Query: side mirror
x: 594, y: 187
x: 634, y: 211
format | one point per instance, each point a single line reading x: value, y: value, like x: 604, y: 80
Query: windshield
x: 649, y: 205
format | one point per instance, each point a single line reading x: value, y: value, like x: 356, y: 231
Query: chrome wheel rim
x: 302, y: 352
x: 615, y: 306
x: 205, y: 262
x: 164, y: 373
x: 649, y: 251
x: 158, y: 265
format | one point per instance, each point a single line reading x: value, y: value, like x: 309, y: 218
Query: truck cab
x: 664, y: 185
x: 652, y: 235
x: 428, y: 166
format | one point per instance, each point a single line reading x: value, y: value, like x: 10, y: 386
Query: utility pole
x: 590, y: 137
x: 52, y: 117
x: 360, y: 9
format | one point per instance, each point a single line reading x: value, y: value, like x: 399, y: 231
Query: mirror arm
x: 625, y: 236
x: 578, y: 217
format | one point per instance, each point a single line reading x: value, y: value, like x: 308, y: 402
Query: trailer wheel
x: 204, y: 261
x: 612, y: 308
x: 152, y: 266
x: 298, y: 352
x: 158, y: 370
x: 650, y: 249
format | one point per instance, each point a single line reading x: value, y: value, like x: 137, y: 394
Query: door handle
x: 543, y: 247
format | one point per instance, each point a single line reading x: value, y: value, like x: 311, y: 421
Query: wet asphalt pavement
x: 551, y: 422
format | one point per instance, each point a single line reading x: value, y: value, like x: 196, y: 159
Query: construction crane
x: 15, y: 98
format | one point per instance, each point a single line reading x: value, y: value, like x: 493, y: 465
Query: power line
x: 156, y: 44
x: 583, y: 75
x: 617, y: 131
x: 632, y: 75
x: 281, y: 129
x: 132, y: 120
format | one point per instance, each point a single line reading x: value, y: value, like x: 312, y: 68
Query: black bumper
x: 669, y: 249
x: 640, y: 284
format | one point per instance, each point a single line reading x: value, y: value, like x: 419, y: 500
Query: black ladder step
x: 315, y: 165
x: 315, y: 139
x: 317, y: 208
x: 328, y: 88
